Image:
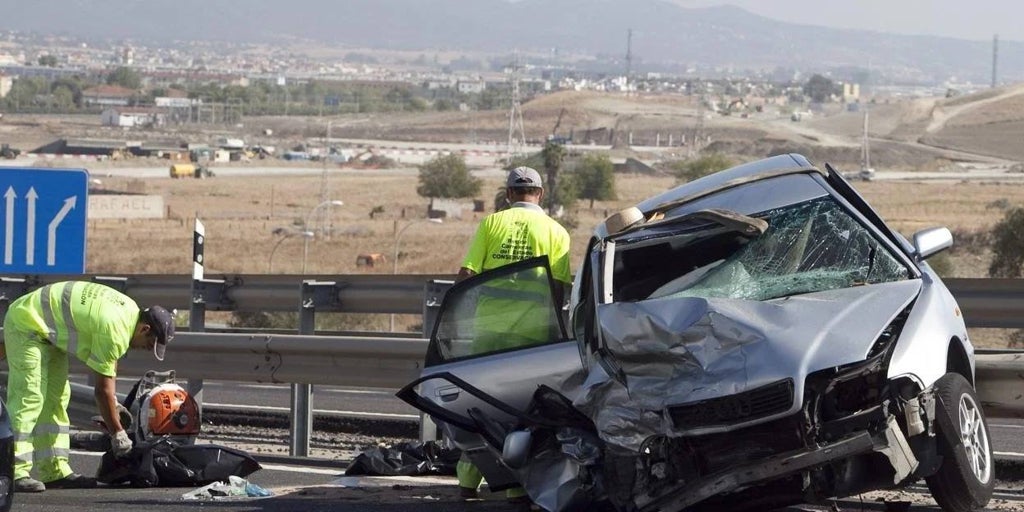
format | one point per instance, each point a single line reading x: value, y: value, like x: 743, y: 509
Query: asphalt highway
x: 318, y: 488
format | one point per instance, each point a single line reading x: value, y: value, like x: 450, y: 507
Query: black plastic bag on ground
x: 405, y: 459
x: 160, y: 463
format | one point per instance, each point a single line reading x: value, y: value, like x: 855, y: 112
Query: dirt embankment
x: 905, y: 134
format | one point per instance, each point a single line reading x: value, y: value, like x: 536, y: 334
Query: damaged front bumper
x: 891, y: 442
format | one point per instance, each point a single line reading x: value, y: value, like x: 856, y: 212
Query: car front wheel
x: 966, y: 478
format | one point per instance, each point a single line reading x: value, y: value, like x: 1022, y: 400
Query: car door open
x: 499, y: 335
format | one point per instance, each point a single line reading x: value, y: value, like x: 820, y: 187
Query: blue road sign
x: 44, y: 212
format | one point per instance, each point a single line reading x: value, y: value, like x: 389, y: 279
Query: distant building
x: 132, y: 117
x: 471, y: 86
x: 6, y: 83
x: 851, y: 92
x: 107, y: 96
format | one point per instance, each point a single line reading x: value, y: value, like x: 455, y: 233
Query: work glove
x: 125, y: 416
x: 120, y: 445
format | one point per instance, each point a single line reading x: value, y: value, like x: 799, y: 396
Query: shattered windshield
x: 808, y: 247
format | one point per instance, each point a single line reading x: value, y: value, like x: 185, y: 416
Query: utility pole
x: 516, y: 133
x: 629, y: 58
x: 995, y: 58
x: 324, y: 219
x: 697, y: 140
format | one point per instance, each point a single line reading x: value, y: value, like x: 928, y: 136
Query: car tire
x: 966, y: 478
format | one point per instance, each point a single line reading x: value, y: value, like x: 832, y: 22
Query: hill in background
x: 673, y: 37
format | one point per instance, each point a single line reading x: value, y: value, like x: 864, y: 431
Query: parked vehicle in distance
x: 746, y: 341
x: 190, y: 171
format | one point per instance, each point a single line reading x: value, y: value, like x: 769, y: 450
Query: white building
x: 132, y: 117
x: 6, y: 83
x: 471, y: 86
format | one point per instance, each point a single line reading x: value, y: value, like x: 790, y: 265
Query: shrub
x: 689, y: 170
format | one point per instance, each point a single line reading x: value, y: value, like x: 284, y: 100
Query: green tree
x: 689, y: 170
x: 443, y: 104
x: 49, y: 61
x: 819, y: 88
x: 595, y: 178
x: 63, y: 99
x: 490, y: 99
x: 124, y: 77
x: 24, y: 92
x: 447, y: 176
x: 72, y: 85
x: 1008, y: 245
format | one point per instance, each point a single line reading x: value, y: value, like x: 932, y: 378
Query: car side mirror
x: 516, y: 451
x: 931, y: 241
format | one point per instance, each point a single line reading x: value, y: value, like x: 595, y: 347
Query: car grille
x: 750, y: 405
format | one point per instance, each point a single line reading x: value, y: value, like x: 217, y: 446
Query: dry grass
x: 241, y: 213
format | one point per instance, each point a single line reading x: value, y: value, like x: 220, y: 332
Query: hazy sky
x: 964, y: 19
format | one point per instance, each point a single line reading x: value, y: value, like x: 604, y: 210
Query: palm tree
x: 553, y: 154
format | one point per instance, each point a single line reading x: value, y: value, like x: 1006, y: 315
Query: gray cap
x: 161, y: 322
x: 522, y: 177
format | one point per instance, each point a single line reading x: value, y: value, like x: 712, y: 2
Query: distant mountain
x: 662, y: 31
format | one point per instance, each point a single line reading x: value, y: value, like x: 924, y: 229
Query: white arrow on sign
x: 10, y: 195
x: 51, y: 235
x: 30, y: 234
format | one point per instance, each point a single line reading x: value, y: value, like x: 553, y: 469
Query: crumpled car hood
x: 681, y: 350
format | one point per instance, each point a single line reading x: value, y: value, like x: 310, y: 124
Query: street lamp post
x: 287, y: 234
x: 305, y: 246
x: 394, y: 260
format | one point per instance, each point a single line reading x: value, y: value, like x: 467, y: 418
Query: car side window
x: 500, y: 310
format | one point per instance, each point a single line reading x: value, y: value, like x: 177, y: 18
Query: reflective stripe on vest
x: 50, y: 453
x: 66, y: 317
x: 43, y: 429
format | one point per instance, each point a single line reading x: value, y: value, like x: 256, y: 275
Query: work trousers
x: 38, y: 393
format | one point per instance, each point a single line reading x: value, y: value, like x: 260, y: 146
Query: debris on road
x: 234, y: 488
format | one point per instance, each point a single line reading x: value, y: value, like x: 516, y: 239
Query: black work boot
x: 73, y: 481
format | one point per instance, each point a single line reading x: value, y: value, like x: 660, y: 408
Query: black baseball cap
x: 161, y: 322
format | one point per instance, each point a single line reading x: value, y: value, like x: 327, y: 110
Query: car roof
x: 735, y: 176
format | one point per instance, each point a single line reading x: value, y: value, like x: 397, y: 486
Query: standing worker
x: 518, y: 233
x: 95, y: 323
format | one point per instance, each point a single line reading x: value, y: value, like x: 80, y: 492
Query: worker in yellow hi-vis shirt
x: 95, y: 323
x: 516, y: 312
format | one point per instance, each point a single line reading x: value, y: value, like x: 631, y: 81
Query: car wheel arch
x: 957, y: 360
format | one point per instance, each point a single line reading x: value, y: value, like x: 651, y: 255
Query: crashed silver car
x: 749, y: 340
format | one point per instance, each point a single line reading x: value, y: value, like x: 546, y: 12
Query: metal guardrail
x: 390, y: 360
x: 997, y: 303
x: 985, y: 302
x: 354, y: 293
x: 1000, y: 383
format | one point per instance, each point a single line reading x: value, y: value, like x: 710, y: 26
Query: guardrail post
x: 302, y: 394
x: 433, y: 294
x: 197, y: 307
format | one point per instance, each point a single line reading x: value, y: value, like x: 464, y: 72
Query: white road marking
x: 302, y: 469
x: 360, y: 414
x: 1008, y: 454
x: 388, y: 481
